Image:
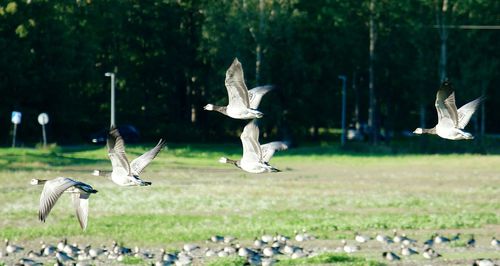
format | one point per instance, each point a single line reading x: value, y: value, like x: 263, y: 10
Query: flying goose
x: 255, y: 157
x: 53, y: 189
x: 451, y: 121
x: 243, y: 103
x: 125, y: 173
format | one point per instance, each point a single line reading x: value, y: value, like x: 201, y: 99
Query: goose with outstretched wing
x: 255, y: 157
x: 451, y: 121
x: 53, y: 189
x: 125, y: 173
x: 243, y: 103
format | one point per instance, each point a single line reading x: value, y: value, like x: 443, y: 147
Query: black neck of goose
x: 232, y: 161
x: 428, y: 130
x: 220, y: 109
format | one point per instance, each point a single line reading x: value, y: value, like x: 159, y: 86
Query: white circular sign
x: 43, y: 119
x: 16, y: 117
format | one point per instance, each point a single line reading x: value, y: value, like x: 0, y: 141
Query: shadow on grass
x: 25, y: 159
x: 28, y: 159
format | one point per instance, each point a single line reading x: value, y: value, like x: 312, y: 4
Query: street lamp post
x: 112, y: 75
x: 344, y: 129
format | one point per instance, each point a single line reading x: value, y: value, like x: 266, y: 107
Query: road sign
x: 16, y: 118
x: 43, y: 119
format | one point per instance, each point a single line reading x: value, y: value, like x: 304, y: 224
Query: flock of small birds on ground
x: 265, y: 250
x: 243, y: 104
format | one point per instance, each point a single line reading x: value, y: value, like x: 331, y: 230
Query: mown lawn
x: 194, y: 197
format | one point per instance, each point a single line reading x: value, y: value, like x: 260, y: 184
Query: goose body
x: 243, y: 103
x: 255, y: 157
x: 407, y: 251
x: 495, y: 242
x: 349, y: 248
x: 383, y: 239
x: 125, y: 173
x: 361, y: 238
x: 471, y: 242
x: 439, y: 239
x: 53, y: 189
x: 483, y: 262
x: 11, y: 248
x: 390, y: 256
x: 451, y: 121
x: 430, y: 254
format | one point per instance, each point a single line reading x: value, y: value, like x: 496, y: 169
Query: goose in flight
x: 255, y: 157
x: 243, y: 103
x: 451, y: 121
x: 125, y: 173
x: 53, y: 189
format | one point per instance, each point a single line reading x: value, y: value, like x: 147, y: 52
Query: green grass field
x: 193, y: 197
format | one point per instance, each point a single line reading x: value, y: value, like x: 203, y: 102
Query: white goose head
x: 209, y: 107
x: 418, y: 131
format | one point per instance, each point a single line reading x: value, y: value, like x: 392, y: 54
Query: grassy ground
x: 194, y: 197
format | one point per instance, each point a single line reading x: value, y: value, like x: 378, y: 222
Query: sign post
x: 43, y: 119
x: 16, y: 119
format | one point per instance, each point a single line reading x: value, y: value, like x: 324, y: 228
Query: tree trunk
x: 483, y: 110
x: 422, y: 115
x: 258, y: 48
x: 443, y: 36
x: 356, y: 102
x: 372, y: 124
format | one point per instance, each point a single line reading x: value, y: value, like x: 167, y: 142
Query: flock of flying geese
x: 243, y: 104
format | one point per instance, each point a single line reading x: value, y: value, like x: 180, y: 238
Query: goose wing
x: 235, y: 84
x: 116, y: 152
x: 255, y: 95
x: 445, y: 105
x: 81, y: 204
x: 51, y: 192
x: 271, y: 147
x: 250, y: 141
x: 465, y: 112
x: 139, y: 163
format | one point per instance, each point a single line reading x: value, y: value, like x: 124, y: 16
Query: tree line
x: 170, y: 59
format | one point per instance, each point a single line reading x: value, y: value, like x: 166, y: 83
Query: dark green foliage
x: 170, y: 58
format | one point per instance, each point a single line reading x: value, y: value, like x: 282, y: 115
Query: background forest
x: 170, y: 59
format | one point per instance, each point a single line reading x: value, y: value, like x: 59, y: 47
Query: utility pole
x: 112, y: 76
